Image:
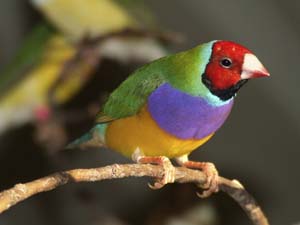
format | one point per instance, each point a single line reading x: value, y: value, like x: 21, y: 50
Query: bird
x: 168, y: 108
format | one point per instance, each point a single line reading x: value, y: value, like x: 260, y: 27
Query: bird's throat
x: 223, y: 94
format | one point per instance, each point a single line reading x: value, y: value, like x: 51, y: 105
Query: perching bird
x: 168, y: 108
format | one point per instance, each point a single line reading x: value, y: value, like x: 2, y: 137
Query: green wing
x: 131, y: 95
x: 29, y: 54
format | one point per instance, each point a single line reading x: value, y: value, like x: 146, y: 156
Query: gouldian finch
x: 173, y: 105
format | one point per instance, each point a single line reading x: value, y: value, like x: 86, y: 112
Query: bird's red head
x: 229, y: 67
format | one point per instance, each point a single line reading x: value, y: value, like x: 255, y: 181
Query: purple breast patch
x: 185, y: 116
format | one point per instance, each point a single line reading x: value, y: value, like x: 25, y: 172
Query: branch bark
x: 233, y: 188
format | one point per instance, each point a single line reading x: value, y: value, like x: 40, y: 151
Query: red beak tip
x: 265, y: 74
x: 262, y: 73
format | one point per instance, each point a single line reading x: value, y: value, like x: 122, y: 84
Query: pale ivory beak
x: 253, y: 68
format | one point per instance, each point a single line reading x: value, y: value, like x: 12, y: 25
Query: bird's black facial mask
x: 223, y: 94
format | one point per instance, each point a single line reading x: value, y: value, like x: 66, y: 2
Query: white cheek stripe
x: 251, y: 65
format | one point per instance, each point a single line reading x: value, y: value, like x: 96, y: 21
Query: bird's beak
x: 253, y: 68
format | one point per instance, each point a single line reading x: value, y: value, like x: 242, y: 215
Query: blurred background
x: 60, y: 58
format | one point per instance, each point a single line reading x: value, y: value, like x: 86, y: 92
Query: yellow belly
x: 141, y: 131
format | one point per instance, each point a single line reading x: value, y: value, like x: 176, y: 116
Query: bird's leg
x: 211, y: 186
x: 169, y: 170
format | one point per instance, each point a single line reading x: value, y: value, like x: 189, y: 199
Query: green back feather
x: 29, y: 54
x: 131, y: 95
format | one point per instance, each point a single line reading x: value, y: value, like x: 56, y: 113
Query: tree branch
x: 20, y: 192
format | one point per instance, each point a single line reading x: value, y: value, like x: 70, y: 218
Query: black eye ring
x: 226, y: 63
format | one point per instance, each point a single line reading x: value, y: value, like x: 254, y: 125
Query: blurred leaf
x: 139, y: 10
x: 28, y: 54
x: 79, y: 18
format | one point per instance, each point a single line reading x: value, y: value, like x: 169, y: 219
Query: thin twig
x: 20, y: 192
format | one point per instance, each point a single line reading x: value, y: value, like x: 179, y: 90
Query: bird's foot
x: 169, y: 170
x: 212, y: 182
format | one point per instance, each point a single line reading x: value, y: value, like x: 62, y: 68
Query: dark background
x: 259, y: 144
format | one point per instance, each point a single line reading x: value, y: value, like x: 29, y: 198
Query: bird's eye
x: 226, y: 62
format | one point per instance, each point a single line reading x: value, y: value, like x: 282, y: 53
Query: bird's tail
x: 92, y: 139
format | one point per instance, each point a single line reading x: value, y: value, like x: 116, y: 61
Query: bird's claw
x: 169, y: 170
x: 212, y: 181
x: 212, y: 177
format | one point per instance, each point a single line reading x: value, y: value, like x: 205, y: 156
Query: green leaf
x: 28, y: 54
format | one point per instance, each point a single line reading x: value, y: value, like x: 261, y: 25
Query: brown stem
x: 236, y: 190
x: 20, y: 192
